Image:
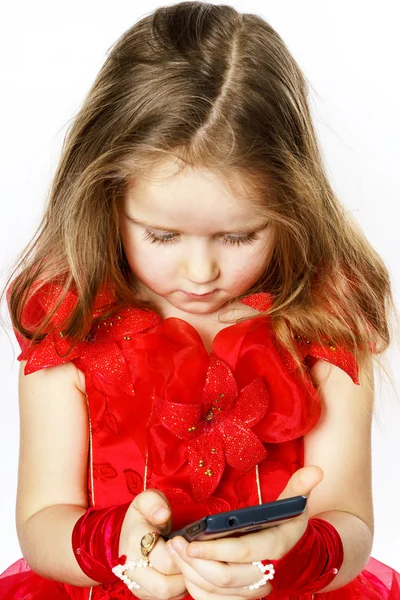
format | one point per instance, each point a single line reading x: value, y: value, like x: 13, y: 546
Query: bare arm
x: 341, y: 445
x: 52, y: 483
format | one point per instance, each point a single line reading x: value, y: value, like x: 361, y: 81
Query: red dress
x: 156, y: 397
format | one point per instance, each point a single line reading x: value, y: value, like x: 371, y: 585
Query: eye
x: 165, y: 238
x: 237, y: 240
x: 168, y: 238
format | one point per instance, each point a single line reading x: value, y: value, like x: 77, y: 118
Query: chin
x: 202, y: 307
x: 194, y: 306
x: 200, y: 310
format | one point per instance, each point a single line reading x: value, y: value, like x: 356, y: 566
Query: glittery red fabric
x: 153, y: 389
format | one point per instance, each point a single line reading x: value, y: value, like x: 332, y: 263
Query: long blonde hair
x: 214, y: 88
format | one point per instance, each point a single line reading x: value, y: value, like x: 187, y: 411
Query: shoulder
x: 65, y: 376
x: 335, y: 380
x: 322, y: 370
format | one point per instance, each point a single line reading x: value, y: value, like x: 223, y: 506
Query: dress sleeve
x: 47, y: 352
x: 336, y: 355
x: 33, y: 313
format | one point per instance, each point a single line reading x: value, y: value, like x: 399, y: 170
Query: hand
x: 221, y: 568
x: 150, y: 511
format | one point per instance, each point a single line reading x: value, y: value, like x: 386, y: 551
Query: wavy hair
x: 208, y: 87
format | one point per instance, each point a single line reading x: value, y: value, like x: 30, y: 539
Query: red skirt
x: 376, y: 582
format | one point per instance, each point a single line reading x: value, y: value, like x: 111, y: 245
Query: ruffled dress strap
x: 336, y: 355
x: 40, y: 303
x: 310, y: 350
x: 98, y: 351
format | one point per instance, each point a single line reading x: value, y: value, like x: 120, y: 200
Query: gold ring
x: 148, y: 541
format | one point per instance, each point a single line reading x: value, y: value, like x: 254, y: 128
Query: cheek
x: 250, y: 262
x: 145, y: 258
x: 262, y: 252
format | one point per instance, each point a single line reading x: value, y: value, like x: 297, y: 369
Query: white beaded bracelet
x: 130, y: 565
x: 266, y: 577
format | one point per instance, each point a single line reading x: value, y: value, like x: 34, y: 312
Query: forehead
x: 193, y: 196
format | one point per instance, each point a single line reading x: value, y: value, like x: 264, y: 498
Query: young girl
x: 198, y: 321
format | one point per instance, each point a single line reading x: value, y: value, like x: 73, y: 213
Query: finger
x: 302, y: 482
x: 145, y: 596
x: 154, y: 507
x: 243, y: 549
x: 200, y: 594
x: 191, y: 575
x: 159, y: 557
x: 214, y: 576
x: 161, y: 560
x: 157, y: 585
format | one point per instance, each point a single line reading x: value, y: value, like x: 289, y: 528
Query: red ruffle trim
x: 376, y: 582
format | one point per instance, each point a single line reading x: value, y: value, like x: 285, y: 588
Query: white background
x: 50, y: 53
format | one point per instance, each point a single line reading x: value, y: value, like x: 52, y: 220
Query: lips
x: 192, y: 295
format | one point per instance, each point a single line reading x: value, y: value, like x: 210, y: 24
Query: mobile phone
x: 242, y: 520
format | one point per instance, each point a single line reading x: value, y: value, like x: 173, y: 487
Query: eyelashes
x: 173, y: 238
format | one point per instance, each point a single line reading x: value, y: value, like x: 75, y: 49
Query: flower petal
x: 220, y: 388
x: 180, y: 419
x: 252, y: 403
x: 206, y: 462
x: 243, y: 449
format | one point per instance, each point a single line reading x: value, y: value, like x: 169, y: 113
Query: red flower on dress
x: 218, y: 428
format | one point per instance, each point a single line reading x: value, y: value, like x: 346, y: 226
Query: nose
x: 200, y: 265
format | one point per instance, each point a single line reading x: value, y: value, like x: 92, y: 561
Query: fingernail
x: 193, y: 550
x: 177, y: 545
x: 170, y: 549
x: 161, y: 513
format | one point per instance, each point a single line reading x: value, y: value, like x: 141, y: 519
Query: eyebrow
x: 254, y: 229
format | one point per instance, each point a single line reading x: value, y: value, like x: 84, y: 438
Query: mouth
x: 199, y: 296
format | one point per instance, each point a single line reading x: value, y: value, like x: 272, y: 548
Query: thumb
x: 302, y: 482
x: 154, y: 507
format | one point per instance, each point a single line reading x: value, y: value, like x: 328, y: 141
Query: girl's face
x: 188, y: 236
